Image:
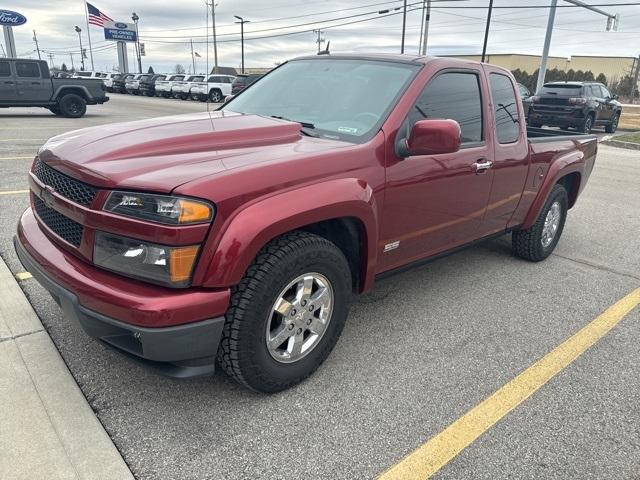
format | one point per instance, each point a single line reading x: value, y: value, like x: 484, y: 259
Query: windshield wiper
x: 305, y: 125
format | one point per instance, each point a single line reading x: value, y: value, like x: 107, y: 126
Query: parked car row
x: 213, y: 88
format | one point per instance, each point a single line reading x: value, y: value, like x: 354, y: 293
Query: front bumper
x: 91, y: 297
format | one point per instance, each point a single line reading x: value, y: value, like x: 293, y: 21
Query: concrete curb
x: 620, y: 144
x: 47, y: 428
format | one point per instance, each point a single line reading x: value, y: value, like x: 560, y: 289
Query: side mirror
x: 431, y: 137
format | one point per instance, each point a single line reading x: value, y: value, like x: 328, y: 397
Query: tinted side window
x: 5, y: 70
x: 605, y: 93
x: 596, y: 92
x: 505, y: 108
x: 28, y: 69
x: 454, y: 96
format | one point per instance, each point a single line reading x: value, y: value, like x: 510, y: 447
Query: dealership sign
x: 11, y: 19
x: 120, y: 31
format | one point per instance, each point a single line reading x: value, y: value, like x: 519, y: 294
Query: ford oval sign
x: 121, y: 25
x: 11, y: 19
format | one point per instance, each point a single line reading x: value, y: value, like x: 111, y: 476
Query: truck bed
x: 541, y: 135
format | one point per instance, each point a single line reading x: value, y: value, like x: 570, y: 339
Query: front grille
x: 68, y: 187
x: 62, y: 226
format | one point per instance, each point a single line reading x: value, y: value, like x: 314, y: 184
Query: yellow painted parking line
x: 446, y: 445
x: 23, y: 276
x: 14, y: 192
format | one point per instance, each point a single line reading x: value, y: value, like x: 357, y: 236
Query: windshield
x: 563, y: 90
x: 336, y: 98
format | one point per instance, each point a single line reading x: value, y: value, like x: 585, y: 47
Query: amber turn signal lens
x: 181, y: 260
x: 193, y: 212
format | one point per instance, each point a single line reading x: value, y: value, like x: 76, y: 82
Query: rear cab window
x: 505, y: 108
x: 454, y: 96
x: 27, y: 69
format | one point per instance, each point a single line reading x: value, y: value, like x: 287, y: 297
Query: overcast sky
x: 167, y: 26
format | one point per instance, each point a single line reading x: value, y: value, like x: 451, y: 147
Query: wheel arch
x: 343, y: 211
x: 79, y: 90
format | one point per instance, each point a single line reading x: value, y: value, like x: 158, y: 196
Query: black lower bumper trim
x: 179, y: 351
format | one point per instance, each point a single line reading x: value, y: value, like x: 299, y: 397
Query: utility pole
x: 79, y: 31
x: 35, y: 39
x: 72, y: 65
x: 486, y: 31
x: 634, y: 85
x: 215, y: 41
x: 404, y: 25
x: 50, y: 55
x: 241, y: 21
x: 426, y: 28
x: 135, y: 18
x: 193, y: 59
x: 320, y: 39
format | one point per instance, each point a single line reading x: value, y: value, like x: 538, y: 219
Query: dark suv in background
x: 582, y: 105
x: 118, y: 84
x: 242, y: 81
x: 148, y: 85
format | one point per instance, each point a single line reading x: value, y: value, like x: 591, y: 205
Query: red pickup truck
x: 241, y: 234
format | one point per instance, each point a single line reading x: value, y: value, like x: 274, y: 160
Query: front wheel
x: 287, y: 313
x: 613, y: 126
x: 537, y: 242
x: 215, y: 96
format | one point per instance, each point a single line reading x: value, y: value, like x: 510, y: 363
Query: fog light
x: 164, y: 265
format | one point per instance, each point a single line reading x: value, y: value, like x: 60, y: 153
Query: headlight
x: 159, y: 208
x: 164, y: 265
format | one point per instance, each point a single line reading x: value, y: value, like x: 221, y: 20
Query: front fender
x: 571, y: 162
x: 229, y: 255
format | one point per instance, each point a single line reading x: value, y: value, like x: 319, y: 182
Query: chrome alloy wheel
x: 551, y: 224
x: 299, y: 317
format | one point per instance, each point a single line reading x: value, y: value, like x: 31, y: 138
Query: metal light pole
x: 241, y: 22
x: 425, y: 36
x: 135, y: 18
x: 486, y: 30
x: 79, y: 30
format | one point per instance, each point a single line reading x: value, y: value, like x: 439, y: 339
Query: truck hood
x: 162, y: 153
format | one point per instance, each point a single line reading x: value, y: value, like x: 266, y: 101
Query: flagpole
x: 86, y: 17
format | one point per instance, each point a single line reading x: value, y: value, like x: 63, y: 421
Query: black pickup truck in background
x: 28, y: 83
x: 581, y: 105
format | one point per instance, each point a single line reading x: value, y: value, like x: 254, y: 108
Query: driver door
x: 434, y: 203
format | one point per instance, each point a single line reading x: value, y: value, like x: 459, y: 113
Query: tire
x: 215, y: 96
x: 587, y: 125
x: 531, y: 244
x: 72, y: 105
x: 244, y: 353
x: 613, y: 126
x: 55, y: 110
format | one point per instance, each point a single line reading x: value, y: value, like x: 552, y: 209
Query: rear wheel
x: 72, y: 105
x: 287, y: 313
x: 587, y: 125
x: 537, y: 242
x: 613, y: 126
x: 55, y: 110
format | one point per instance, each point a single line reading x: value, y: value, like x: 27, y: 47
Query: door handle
x: 482, y: 165
x: 35, y: 83
x: 9, y: 83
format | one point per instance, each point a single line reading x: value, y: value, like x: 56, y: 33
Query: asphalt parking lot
x: 417, y: 353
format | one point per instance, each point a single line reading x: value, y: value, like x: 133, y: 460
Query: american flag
x: 96, y: 17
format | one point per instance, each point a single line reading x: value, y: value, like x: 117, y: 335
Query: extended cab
x: 241, y: 234
x: 28, y: 83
